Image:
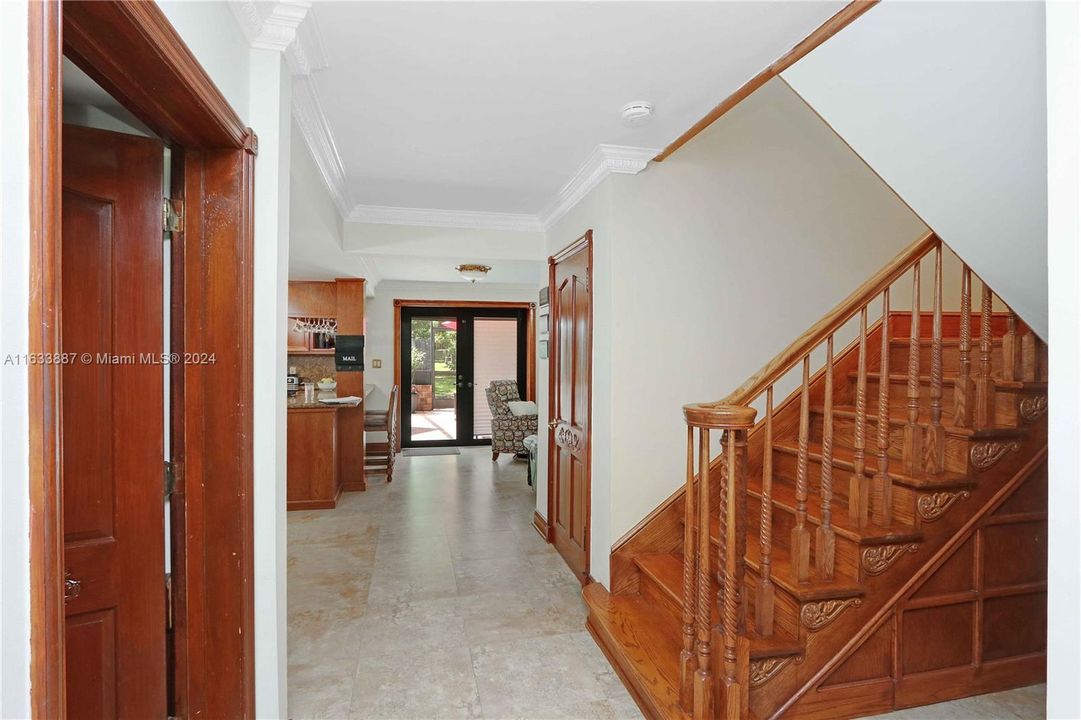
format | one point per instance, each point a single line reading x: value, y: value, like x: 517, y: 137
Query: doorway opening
x: 447, y: 353
x: 126, y: 277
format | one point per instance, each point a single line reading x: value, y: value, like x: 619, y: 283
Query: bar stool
x: 379, y: 456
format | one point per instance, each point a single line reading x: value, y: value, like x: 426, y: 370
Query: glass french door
x: 449, y: 356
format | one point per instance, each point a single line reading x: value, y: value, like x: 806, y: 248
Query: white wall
x: 379, y: 316
x: 14, y: 420
x: 315, y: 226
x: 706, y: 266
x: 1064, y: 196
x: 946, y: 102
x: 270, y: 115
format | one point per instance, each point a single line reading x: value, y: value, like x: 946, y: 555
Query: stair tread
x: 842, y: 458
x: 666, y: 570
x: 784, y: 496
x: 899, y: 417
x: 643, y: 641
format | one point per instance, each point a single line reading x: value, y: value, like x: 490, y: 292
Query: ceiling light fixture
x: 472, y: 273
x: 637, y: 113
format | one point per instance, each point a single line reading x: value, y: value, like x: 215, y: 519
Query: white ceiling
x: 492, y: 107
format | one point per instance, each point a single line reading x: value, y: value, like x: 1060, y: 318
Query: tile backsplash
x: 312, y: 368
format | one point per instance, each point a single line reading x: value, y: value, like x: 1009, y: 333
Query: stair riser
x: 651, y: 589
x: 951, y: 358
x: 844, y: 436
x: 1006, y: 414
x: 846, y: 554
x: 784, y: 466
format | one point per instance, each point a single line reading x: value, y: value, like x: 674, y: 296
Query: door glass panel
x: 433, y: 362
x: 495, y: 357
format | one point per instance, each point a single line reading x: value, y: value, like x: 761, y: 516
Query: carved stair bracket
x: 817, y: 615
x: 932, y: 507
x: 762, y: 671
x: 1032, y: 407
x: 878, y: 558
x: 986, y: 454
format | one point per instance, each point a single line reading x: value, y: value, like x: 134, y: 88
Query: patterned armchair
x: 508, y: 430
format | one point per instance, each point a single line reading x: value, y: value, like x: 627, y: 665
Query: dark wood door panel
x: 569, y: 407
x: 113, y: 425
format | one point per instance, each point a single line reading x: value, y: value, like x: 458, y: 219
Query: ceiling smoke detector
x: 637, y: 113
x: 472, y: 273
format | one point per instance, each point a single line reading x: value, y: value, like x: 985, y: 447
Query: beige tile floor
x: 434, y: 597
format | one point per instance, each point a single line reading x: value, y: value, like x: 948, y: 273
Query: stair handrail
x: 862, y: 296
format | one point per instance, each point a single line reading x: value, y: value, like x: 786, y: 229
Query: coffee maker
x: 292, y: 381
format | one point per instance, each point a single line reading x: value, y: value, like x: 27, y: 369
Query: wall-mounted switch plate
x: 377, y: 363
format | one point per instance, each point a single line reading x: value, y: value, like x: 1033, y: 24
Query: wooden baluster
x: 963, y: 389
x: 801, y: 536
x: 859, y: 487
x: 690, y: 571
x: 740, y: 499
x: 736, y: 662
x: 763, y: 614
x: 1011, y: 361
x: 935, y: 441
x: 985, y: 383
x: 703, y: 680
x: 883, y: 486
x: 824, y: 536
x: 1032, y: 369
x: 912, y: 452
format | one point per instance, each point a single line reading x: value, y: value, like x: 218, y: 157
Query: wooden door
x: 112, y: 425
x: 570, y: 400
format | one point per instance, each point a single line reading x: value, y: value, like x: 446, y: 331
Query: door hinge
x: 168, y: 601
x: 172, y: 215
x: 173, y: 473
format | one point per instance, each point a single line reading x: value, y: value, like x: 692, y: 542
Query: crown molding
x: 602, y: 162
x: 313, y: 125
x: 270, y: 26
x: 423, y: 217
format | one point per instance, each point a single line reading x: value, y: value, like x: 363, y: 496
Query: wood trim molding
x: 541, y: 526
x: 531, y: 336
x: 46, y: 507
x: 174, y: 96
x: 821, y: 34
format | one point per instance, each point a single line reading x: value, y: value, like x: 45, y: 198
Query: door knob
x: 552, y: 425
x: 72, y: 587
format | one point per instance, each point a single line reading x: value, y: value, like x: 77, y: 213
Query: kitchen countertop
x: 296, y: 402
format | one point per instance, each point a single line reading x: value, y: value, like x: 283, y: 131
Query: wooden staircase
x: 877, y: 540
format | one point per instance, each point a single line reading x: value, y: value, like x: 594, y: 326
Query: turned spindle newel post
x: 859, y: 489
x: 726, y: 696
x: 687, y: 661
x: 935, y: 441
x: 912, y: 452
x: 985, y: 383
x: 824, y: 537
x: 963, y: 390
x: 883, y: 486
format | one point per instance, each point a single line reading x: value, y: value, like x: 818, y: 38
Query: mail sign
x: 349, y: 353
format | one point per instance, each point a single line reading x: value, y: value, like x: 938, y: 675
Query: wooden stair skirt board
x: 868, y: 545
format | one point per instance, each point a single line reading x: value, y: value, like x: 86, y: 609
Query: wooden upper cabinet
x: 296, y: 341
x: 313, y: 299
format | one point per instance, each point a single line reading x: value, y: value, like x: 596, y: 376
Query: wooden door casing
x: 570, y: 402
x: 113, y: 425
